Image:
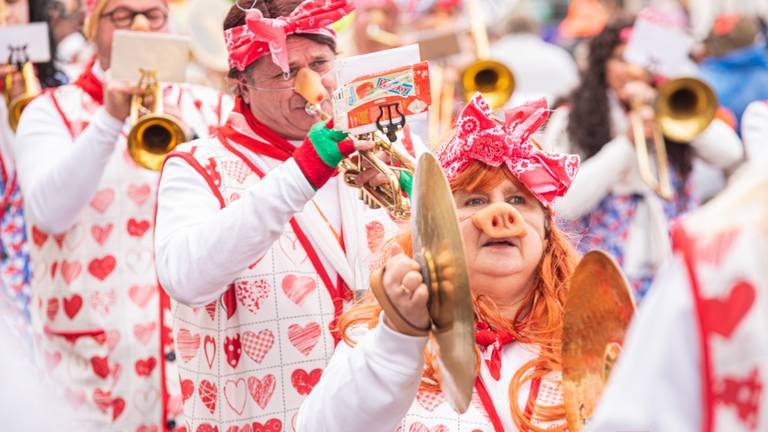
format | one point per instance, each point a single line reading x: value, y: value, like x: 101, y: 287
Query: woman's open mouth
x: 501, y: 243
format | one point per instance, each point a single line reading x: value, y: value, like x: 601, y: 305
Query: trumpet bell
x: 152, y: 138
x: 15, y: 108
x: 686, y: 107
x: 31, y: 90
x: 492, y: 79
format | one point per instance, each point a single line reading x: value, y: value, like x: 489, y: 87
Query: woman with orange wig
x: 383, y: 377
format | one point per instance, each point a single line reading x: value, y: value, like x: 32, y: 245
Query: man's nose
x: 500, y: 220
x: 140, y: 23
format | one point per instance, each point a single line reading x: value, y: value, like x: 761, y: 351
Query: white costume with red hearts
x: 97, y: 307
x: 696, y: 356
x: 246, y: 240
x: 380, y: 376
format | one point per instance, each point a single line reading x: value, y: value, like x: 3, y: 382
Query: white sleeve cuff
x: 395, y: 351
x: 300, y: 182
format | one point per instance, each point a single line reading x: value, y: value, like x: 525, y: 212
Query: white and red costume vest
x: 97, y: 311
x: 248, y: 359
x: 725, y: 250
x: 430, y: 412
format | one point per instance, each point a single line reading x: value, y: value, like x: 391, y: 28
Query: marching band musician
x: 15, y: 272
x: 257, y: 240
x: 609, y: 204
x: 384, y: 373
x: 97, y: 307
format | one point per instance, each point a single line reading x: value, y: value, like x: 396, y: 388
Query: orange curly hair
x: 538, y: 322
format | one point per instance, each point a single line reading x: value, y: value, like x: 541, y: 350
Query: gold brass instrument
x: 439, y: 249
x: 389, y: 195
x: 32, y: 89
x: 685, y: 107
x: 153, y: 134
x: 491, y: 78
x: 598, y: 310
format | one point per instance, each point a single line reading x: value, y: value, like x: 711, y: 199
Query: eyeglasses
x: 122, y: 17
x: 283, y: 82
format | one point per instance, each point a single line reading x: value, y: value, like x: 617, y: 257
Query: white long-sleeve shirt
x: 392, y: 364
x: 201, y: 248
x: 59, y: 176
x: 191, y: 227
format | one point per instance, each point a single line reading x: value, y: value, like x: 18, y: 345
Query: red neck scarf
x: 91, y: 84
x: 491, y: 342
x: 279, y: 148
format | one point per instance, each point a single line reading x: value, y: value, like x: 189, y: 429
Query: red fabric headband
x: 259, y: 35
x: 481, y: 136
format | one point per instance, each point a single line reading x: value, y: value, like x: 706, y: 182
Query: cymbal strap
x: 401, y: 324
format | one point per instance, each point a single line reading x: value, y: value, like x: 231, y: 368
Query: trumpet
x: 389, y: 195
x: 491, y: 78
x: 32, y: 89
x: 153, y: 134
x: 685, y: 107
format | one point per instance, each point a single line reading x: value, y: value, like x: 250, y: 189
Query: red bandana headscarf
x: 481, y: 136
x: 259, y: 36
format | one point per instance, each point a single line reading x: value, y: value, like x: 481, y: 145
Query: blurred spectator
x: 541, y: 69
x: 72, y: 50
x: 735, y: 63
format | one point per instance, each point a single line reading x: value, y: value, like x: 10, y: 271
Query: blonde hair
x: 538, y: 322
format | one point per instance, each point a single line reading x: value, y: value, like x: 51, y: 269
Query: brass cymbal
x: 598, y: 310
x: 439, y: 249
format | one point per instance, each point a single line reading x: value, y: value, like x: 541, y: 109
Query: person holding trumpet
x: 611, y: 205
x: 17, y: 86
x: 257, y: 239
x: 90, y: 208
x: 385, y: 372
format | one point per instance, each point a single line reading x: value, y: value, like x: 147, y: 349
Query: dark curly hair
x: 48, y: 74
x: 589, y: 121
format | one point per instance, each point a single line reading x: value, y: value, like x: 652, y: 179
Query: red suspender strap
x: 487, y: 402
x: 218, y: 108
x: 196, y: 165
x: 532, y: 396
x: 166, y: 338
x: 67, y: 123
x: 684, y: 244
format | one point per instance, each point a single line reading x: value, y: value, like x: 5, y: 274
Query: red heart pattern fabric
x: 261, y: 390
x: 304, y: 381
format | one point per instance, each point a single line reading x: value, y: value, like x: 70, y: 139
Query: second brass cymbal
x: 597, y: 313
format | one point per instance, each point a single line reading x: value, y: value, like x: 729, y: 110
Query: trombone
x: 389, y: 195
x: 153, y: 134
x: 491, y: 78
x: 684, y: 108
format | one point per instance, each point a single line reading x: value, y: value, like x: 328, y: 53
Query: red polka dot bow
x: 259, y: 35
x: 481, y: 136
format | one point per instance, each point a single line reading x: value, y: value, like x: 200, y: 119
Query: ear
x: 241, y: 88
